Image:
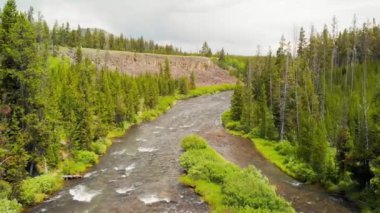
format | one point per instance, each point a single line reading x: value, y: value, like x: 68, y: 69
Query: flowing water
x: 140, y: 171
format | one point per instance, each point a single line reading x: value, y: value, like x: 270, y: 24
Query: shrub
x: 285, y: 148
x: 5, y: 189
x: 193, y: 157
x: 248, y: 188
x: 230, y: 124
x: 193, y: 142
x: 303, y: 172
x: 86, y: 157
x: 224, y: 185
x: 215, y: 172
x: 69, y: 166
x: 98, y: 147
x: 35, y: 190
x: 10, y: 206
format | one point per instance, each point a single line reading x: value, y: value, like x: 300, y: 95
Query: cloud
x: 238, y: 26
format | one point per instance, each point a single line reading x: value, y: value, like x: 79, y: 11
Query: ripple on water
x: 119, y: 152
x: 294, y: 183
x: 129, y: 169
x: 153, y: 198
x: 146, y: 149
x: 186, y: 126
x: 89, y: 174
x: 124, y: 190
x: 54, y: 198
x: 83, y: 194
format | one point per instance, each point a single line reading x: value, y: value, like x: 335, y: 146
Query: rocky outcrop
x: 206, y: 72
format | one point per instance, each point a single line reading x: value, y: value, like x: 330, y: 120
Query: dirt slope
x: 206, y: 72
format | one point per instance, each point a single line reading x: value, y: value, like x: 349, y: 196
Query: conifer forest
x: 293, y: 129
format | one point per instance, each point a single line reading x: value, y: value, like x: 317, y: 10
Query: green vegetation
x: 207, y: 90
x: 281, y: 154
x: 237, y: 65
x: 35, y: 190
x: 57, y: 115
x: 318, y: 109
x: 224, y: 185
x: 10, y: 206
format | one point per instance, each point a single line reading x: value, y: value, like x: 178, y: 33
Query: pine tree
x: 206, y: 50
x: 319, y: 148
x: 236, y: 103
x: 78, y: 55
x: 343, y: 146
x: 375, y: 138
x: 183, y: 85
x: 221, y: 56
x: 19, y: 80
x: 192, y: 81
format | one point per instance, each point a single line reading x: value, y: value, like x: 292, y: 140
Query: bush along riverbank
x: 225, y: 186
x: 281, y: 154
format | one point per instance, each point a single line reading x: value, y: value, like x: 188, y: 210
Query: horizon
x: 239, y: 27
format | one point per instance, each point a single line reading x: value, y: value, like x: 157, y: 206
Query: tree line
x: 66, y: 36
x: 320, y: 97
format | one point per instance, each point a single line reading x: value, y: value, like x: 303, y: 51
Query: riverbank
x: 225, y: 186
x: 277, y: 154
x: 41, y: 190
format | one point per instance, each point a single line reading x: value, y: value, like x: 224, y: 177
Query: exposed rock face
x: 206, y: 72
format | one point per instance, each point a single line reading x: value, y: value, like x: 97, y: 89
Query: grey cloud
x: 238, y: 26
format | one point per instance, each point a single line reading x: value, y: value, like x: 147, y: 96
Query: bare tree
x: 270, y: 79
x: 296, y: 78
x: 354, y: 52
x: 283, y: 93
x: 333, y: 53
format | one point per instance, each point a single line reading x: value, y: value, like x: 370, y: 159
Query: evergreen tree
x: 183, y: 85
x: 206, y: 50
x: 192, y: 81
x: 221, y: 56
x: 236, y: 103
x: 343, y: 146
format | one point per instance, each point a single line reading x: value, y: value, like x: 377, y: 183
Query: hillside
x: 206, y: 72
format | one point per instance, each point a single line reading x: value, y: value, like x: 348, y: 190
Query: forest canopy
x: 319, y: 99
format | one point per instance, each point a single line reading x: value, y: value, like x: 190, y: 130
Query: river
x: 140, y: 171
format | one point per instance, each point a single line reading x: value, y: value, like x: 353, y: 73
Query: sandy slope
x: 206, y: 72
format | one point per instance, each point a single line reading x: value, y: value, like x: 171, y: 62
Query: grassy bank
x: 225, y: 186
x: 35, y: 190
x: 207, y: 90
x: 282, y: 154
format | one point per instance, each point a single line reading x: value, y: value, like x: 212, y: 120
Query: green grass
x: 210, y: 192
x: 281, y: 154
x: 10, y: 206
x: 268, y: 150
x: 207, y: 90
x: 35, y: 190
x: 225, y: 186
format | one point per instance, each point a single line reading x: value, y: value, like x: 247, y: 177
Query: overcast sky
x: 237, y: 25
